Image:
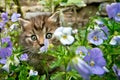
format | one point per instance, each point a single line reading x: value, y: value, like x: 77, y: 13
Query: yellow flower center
x: 64, y: 36
x: 95, y: 38
x: 80, y: 52
x: 92, y: 63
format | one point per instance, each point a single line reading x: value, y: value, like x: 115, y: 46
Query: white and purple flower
x: 64, y: 34
x: 115, y: 40
x: 96, y: 37
x: 7, y: 65
x: 81, y: 66
x: 15, y: 17
x: 24, y: 57
x: 33, y: 73
x: 81, y: 51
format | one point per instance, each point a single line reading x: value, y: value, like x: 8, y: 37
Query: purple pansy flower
x: 24, y: 57
x: 96, y: 37
x: 81, y: 66
x: 96, y: 60
x: 103, y: 28
x: 81, y: 51
x: 113, y: 11
x: 15, y: 17
x: 116, y: 71
x: 8, y: 41
x: 7, y: 51
x: 45, y: 47
x: 4, y: 16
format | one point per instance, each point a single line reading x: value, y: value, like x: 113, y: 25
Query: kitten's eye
x: 34, y: 37
x: 48, y: 35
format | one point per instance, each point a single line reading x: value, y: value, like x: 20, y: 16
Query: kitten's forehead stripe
x: 39, y: 22
x: 42, y: 23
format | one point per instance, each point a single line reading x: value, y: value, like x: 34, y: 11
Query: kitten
x: 34, y: 31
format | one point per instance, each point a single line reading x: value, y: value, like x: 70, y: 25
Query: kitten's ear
x: 54, y: 17
x: 23, y: 22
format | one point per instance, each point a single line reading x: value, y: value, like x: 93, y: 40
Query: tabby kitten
x: 34, y: 31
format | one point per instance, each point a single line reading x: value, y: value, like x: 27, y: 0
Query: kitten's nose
x: 41, y: 45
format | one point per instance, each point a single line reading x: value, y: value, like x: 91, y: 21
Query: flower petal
x: 33, y: 73
x: 82, y: 67
x: 95, y: 52
x: 98, y: 70
x: 67, y: 31
x: 69, y: 40
x: 100, y: 61
x: 3, y: 61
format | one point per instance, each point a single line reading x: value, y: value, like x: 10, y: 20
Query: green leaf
x: 78, y: 3
x: 43, y: 77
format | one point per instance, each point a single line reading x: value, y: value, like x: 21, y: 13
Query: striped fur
x: 38, y: 26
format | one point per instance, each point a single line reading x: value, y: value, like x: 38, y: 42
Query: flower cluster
x: 7, y: 57
x: 6, y: 50
x: 5, y: 18
x: 89, y: 62
x: 100, y: 33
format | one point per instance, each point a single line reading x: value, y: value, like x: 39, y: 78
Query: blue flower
x: 113, y: 11
x: 116, y: 71
x: 103, y: 28
x: 81, y: 51
x: 24, y: 57
x: 96, y: 60
x: 4, y: 16
x: 6, y: 51
x: 15, y: 17
x: 8, y: 41
x: 45, y: 47
x: 96, y: 37
x: 81, y: 66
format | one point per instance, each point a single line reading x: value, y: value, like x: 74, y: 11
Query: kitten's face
x: 36, y: 30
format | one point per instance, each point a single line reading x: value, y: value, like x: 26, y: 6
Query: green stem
x: 85, y: 38
x: 113, y: 27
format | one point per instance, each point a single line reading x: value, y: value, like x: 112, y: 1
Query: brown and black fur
x: 39, y: 26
